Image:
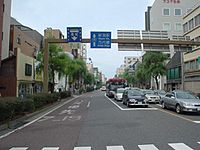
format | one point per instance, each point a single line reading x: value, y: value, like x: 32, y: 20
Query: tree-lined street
x: 92, y: 121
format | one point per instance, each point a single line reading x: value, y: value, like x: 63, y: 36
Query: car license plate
x: 198, y: 109
x: 140, y: 103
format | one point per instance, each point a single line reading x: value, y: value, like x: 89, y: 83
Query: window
x: 166, y: 12
x: 177, y: 12
x: 172, y: 73
x: 187, y: 66
x: 28, y: 70
x: 197, y: 20
x: 178, y: 27
x: 185, y: 27
x: 166, y: 26
x: 18, y: 40
x: 191, y: 24
x: 192, y: 65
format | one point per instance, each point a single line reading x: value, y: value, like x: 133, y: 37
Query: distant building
x: 191, y: 27
x: 129, y: 61
x: 120, y: 70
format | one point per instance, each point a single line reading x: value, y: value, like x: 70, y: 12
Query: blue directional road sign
x: 100, y: 40
x: 74, y: 34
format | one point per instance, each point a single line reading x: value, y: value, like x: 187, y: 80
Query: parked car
x: 133, y: 97
x: 103, y: 88
x: 151, y: 96
x: 181, y: 101
x: 160, y: 93
x: 118, y: 94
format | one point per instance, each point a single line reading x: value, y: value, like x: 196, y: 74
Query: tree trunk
x: 53, y: 82
x: 156, y: 78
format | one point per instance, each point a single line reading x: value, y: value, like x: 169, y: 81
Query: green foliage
x: 65, y: 94
x: 12, y: 106
x: 89, y: 78
x: 154, y: 64
x: 129, y: 77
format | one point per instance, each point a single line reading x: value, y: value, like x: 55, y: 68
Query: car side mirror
x: 172, y: 97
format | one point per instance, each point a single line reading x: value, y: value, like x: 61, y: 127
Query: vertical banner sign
x: 100, y: 40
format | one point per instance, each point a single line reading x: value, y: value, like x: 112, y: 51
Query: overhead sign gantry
x: 127, y: 41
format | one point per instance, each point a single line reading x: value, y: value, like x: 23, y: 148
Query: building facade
x: 191, y: 26
x: 167, y: 15
x: 5, y: 28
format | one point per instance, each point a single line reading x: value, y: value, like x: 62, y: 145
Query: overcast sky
x: 91, y: 15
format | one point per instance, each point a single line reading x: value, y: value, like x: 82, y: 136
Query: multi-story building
x: 4, y: 28
x: 191, y: 26
x: 129, y: 61
x: 120, y: 70
x: 166, y: 15
x: 1, y: 26
x: 17, y: 75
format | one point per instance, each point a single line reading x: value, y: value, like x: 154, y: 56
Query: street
x: 95, y: 122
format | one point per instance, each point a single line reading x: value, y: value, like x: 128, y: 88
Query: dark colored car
x: 133, y: 97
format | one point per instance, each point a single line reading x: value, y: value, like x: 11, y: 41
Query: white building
x: 167, y: 15
x: 129, y: 61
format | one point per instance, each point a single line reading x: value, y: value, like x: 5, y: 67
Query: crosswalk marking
x: 82, y: 148
x: 175, y: 146
x: 19, y: 148
x: 115, y: 147
x: 147, y: 147
x: 179, y: 146
x: 50, y: 148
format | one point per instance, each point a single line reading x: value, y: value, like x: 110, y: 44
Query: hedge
x: 11, y: 107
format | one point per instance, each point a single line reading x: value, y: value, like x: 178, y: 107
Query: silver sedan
x: 181, y: 101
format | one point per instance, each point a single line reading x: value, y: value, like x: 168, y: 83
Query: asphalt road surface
x: 95, y: 122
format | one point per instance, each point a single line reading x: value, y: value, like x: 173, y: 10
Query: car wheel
x: 178, y: 109
x: 163, y: 105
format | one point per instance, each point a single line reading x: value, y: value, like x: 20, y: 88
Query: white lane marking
x: 69, y: 112
x: 65, y: 118
x: 78, y: 102
x: 73, y: 107
x: 50, y: 148
x: 159, y: 105
x: 82, y: 148
x: 46, y: 118
x: 113, y: 102
x: 88, y: 105
x: 56, y: 120
x: 179, y: 146
x: 19, y: 148
x: 128, y: 109
x: 114, y: 147
x: 196, y: 121
x: 140, y: 109
x: 5, y: 135
x: 147, y: 147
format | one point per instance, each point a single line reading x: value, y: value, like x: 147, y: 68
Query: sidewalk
x: 29, y: 117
